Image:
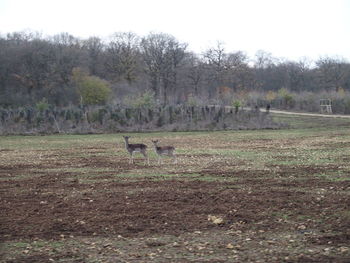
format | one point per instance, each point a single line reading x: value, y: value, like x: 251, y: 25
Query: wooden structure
x: 326, y: 106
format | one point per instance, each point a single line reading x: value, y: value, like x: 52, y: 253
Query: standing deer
x: 164, y: 150
x: 134, y: 148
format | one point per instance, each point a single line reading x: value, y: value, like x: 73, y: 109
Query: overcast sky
x: 287, y: 28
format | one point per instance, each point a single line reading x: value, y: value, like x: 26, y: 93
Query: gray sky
x: 287, y: 28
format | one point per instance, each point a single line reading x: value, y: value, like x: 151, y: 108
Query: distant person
x: 268, y: 106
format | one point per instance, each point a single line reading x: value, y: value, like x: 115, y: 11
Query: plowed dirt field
x: 253, y: 196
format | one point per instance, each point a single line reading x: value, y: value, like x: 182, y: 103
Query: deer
x: 164, y: 150
x: 134, y: 148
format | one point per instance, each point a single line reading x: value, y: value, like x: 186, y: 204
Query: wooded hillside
x: 63, y: 70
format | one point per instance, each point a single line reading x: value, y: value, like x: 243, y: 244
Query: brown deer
x: 164, y: 150
x: 134, y: 148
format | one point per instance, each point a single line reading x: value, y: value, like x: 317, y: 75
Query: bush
x: 42, y: 105
x: 237, y: 104
x: 146, y: 100
x: 92, y: 90
x: 347, y: 106
x: 286, y: 98
x: 97, y: 115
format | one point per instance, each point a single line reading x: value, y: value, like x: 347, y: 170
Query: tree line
x: 63, y: 70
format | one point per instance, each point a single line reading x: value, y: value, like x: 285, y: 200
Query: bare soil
x: 268, y: 215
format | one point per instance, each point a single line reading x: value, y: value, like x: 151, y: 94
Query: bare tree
x: 214, y: 59
x: 332, y: 73
x: 94, y: 48
x: 229, y: 71
x: 265, y: 70
x: 239, y: 74
x: 195, y: 73
x: 264, y: 59
x: 122, y: 56
x: 162, y: 55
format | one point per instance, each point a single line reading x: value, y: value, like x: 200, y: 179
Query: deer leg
x: 132, y: 158
x: 146, y: 157
x: 175, y: 159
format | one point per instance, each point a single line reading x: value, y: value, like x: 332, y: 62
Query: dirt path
x: 294, y: 113
x: 308, y: 114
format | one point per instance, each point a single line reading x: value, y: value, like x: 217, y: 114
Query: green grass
x: 320, y: 145
x: 38, y: 244
x: 94, y: 178
x: 297, y: 121
x: 335, y: 176
x: 19, y: 177
x: 80, y: 170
